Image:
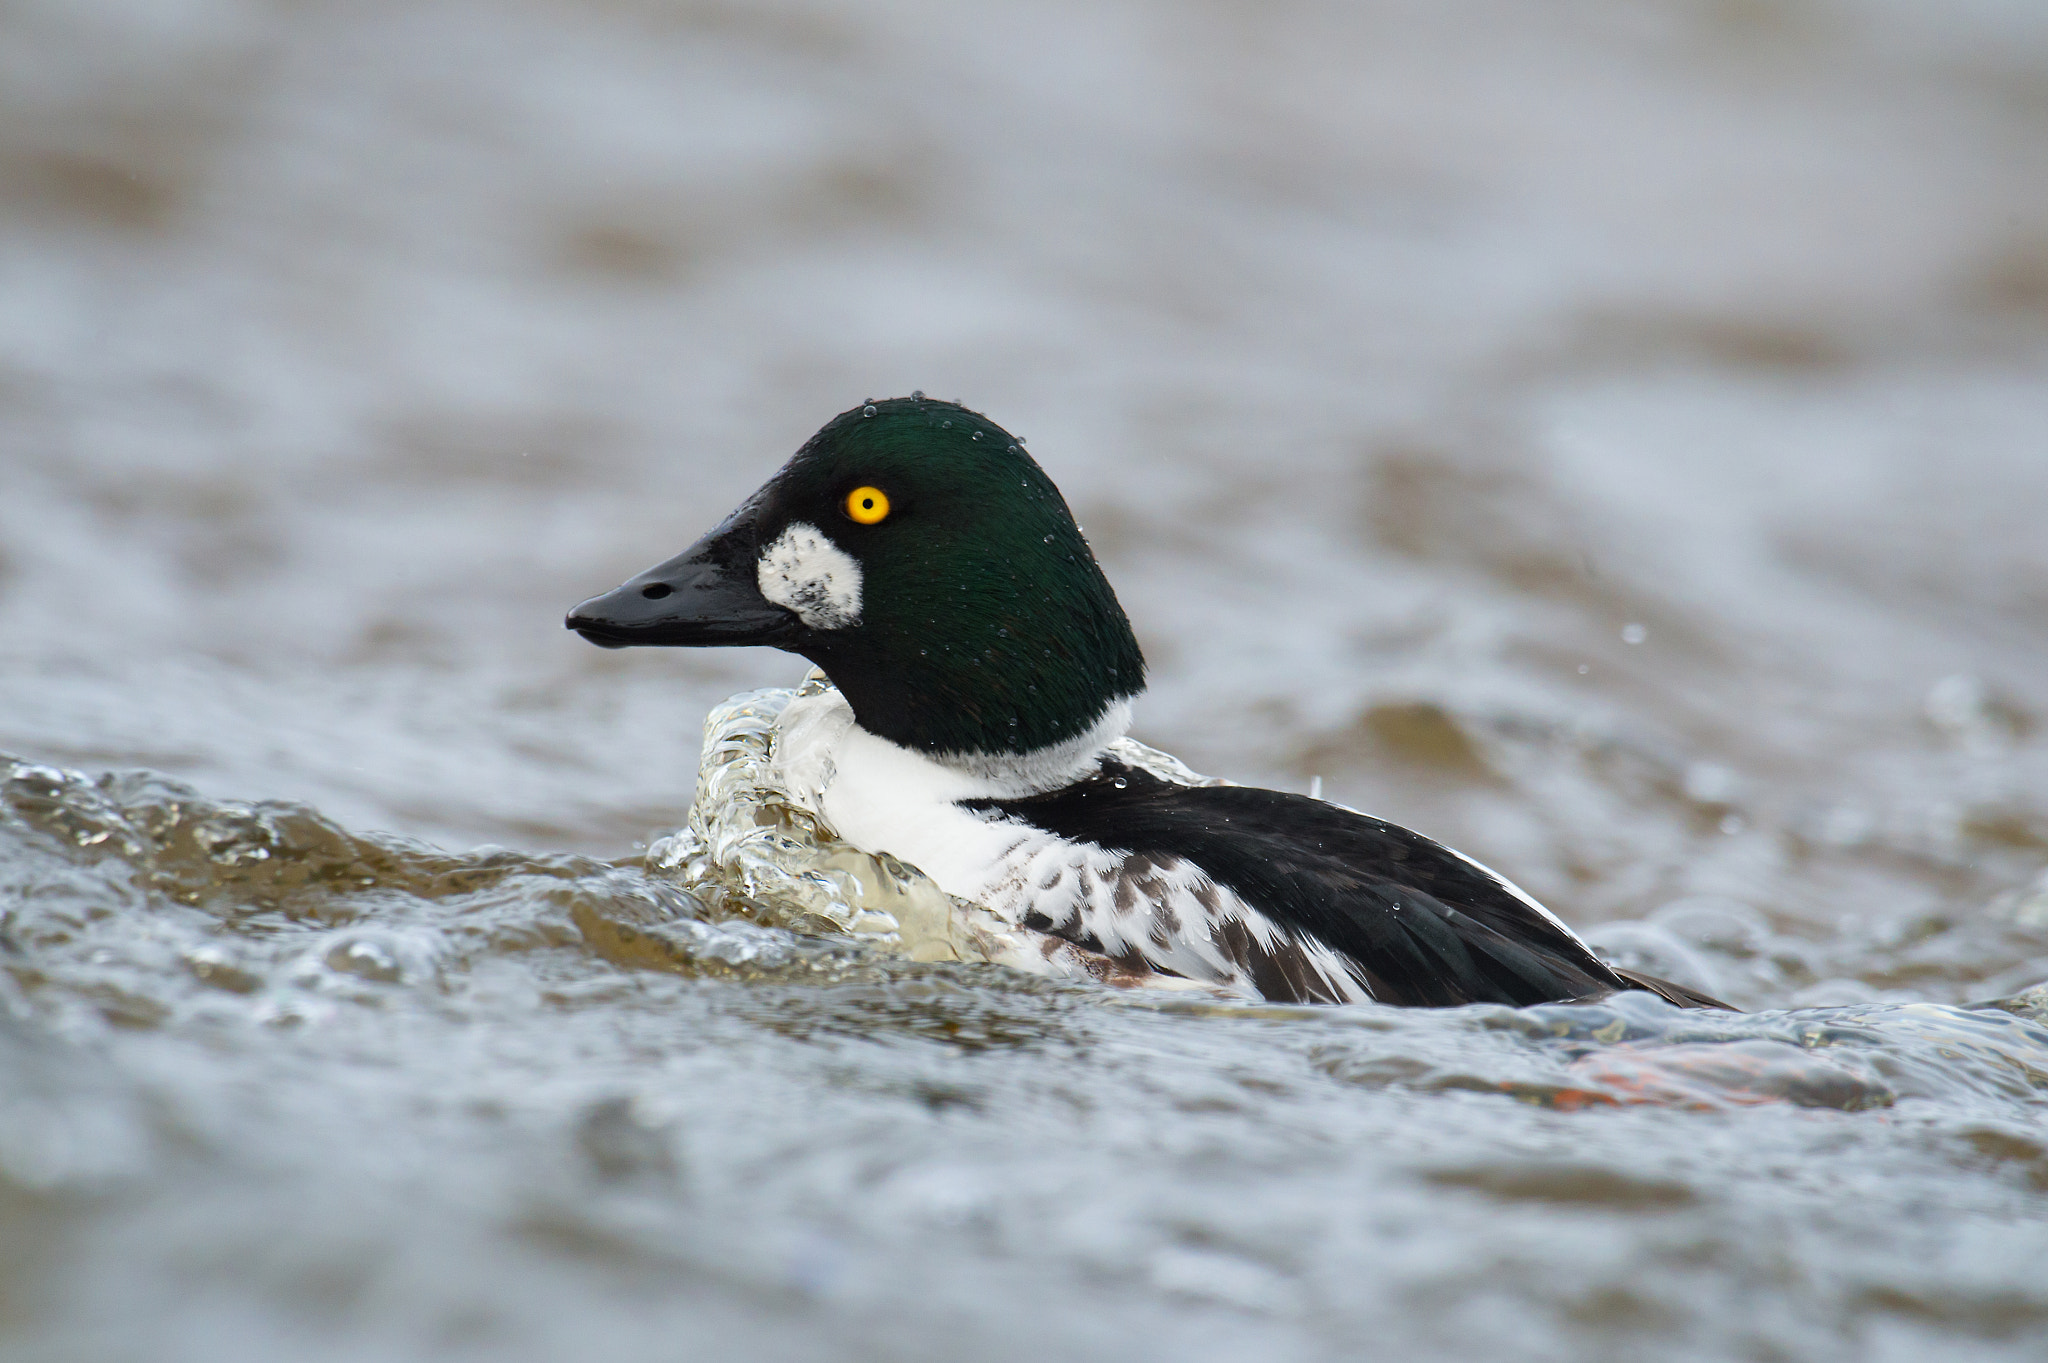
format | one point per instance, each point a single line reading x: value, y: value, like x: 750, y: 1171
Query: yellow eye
x: 867, y: 504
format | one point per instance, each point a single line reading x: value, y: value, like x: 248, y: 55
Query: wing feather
x: 1289, y: 897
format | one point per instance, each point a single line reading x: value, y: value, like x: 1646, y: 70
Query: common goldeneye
x: 982, y: 670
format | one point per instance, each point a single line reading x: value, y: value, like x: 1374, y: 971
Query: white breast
x: 1157, y: 913
x: 884, y: 798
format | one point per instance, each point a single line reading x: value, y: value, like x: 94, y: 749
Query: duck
x: 982, y: 673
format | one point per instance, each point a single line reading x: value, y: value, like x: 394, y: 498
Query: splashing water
x: 750, y: 850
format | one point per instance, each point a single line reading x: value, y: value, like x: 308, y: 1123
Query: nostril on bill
x: 654, y: 591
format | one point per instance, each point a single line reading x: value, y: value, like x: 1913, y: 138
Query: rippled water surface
x: 1612, y: 438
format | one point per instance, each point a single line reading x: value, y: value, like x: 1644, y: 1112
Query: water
x: 281, y: 1089
x: 1611, y: 439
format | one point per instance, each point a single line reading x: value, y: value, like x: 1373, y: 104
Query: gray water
x: 1611, y: 438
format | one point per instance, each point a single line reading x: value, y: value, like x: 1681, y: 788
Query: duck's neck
x: 990, y: 696
x: 820, y: 747
x: 1014, y: 775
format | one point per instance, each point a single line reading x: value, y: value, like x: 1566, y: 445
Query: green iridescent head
x: 917, y: 554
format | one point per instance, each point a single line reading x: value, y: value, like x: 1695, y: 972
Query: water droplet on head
x: 977, y: 435
x: 868, y: 410
x: 1003, y: 631
x: 917, y: 395
x: 1013, y: 721
x: 1048, y: 539
x: 945, y: 425
x: 1119, y: 782
x: 1013, y: 449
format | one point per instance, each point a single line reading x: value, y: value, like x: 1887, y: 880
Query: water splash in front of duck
x: 751, y: 851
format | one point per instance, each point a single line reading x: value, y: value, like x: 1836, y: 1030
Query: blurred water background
x: 1612, y: 438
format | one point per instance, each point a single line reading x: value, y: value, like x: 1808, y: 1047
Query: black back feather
x: 1421, y: 924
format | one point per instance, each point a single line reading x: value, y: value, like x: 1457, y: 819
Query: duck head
x: 918, y: 555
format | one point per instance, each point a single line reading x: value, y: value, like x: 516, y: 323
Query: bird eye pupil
x: 867, y: 505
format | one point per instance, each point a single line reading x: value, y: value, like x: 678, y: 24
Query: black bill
x: 699, y: 598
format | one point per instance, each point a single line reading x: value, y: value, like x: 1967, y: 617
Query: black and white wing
x: 1297, y: 899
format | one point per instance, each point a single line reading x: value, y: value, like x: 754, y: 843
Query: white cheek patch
x: 809, y: 574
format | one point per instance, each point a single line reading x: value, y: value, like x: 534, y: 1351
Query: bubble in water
x: 1633, y: 633
x: 364, y: 959
x: 868, y: 410
x: 212, y: 965
x: 622, y: 1143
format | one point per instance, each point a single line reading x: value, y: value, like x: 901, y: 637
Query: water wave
x: 133, y: 899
